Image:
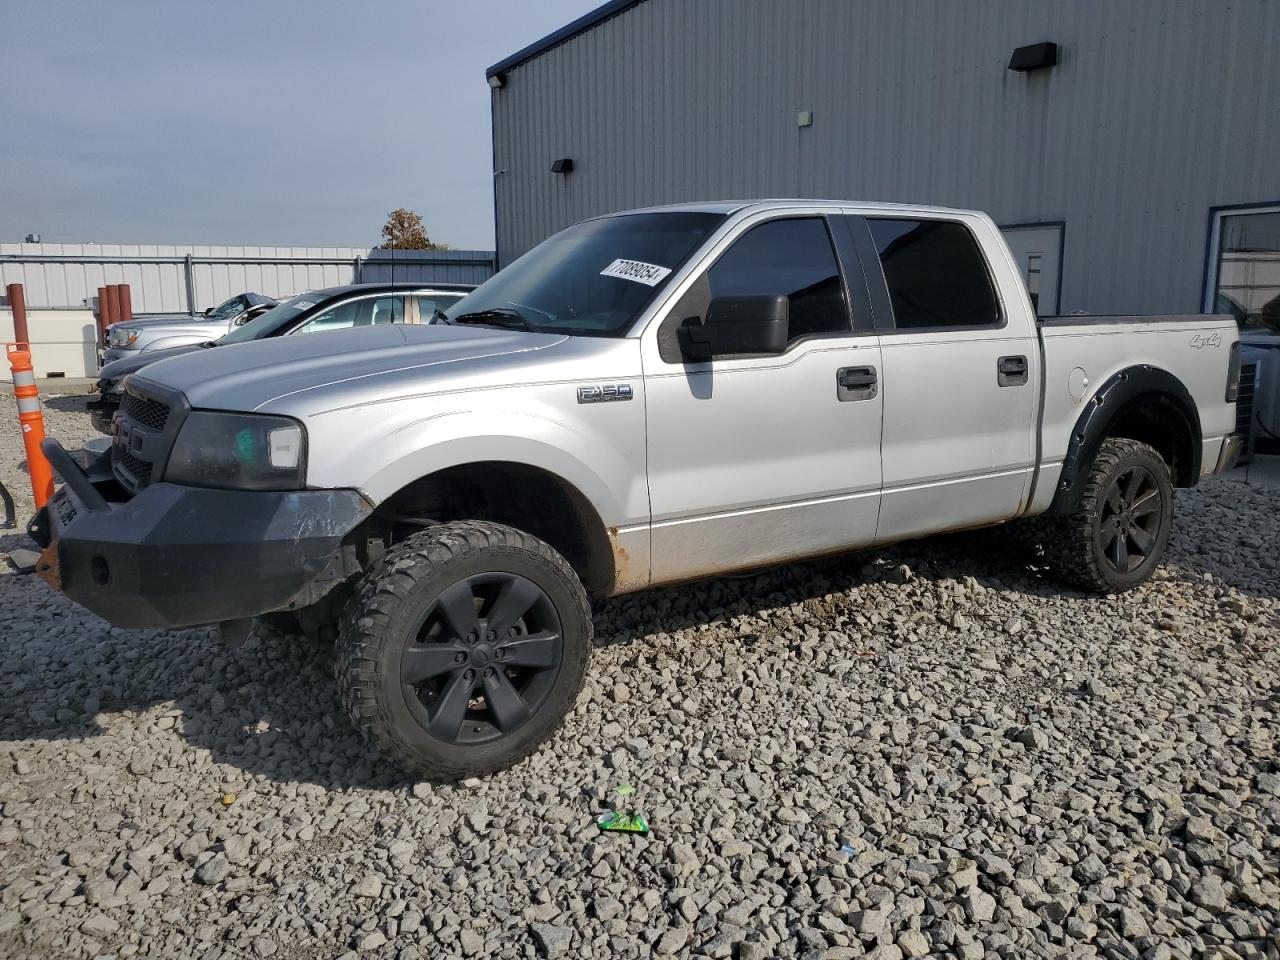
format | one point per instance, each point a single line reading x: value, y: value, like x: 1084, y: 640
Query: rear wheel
x: 1117, y: 538
x: 463, y: 649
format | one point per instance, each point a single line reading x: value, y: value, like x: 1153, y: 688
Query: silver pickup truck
x: 644, y: 398
x: 144, y: 334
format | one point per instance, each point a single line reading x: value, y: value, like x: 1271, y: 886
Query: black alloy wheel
x: 463, y: 648
x: 1132, y: 515
x: 484, y: 659
x: 1116, y: 536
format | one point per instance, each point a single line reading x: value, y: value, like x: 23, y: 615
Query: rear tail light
x: 1233, y: 373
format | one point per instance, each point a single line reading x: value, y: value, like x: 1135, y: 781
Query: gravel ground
x: 929, y: 750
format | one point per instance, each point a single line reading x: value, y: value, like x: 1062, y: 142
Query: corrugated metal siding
x: 438, y: 266
x: 161, y: 287
x: 1157, y: 110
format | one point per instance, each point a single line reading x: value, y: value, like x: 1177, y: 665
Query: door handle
x: 1011, y: 371
x: 856, y: 383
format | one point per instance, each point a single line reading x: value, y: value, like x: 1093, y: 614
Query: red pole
x: 126, y: 303
x: 18, y: 304
x: 113, y: 304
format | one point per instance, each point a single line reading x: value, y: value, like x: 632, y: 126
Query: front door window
x: 357, y: 313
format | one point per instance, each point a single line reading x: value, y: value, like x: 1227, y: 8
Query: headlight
x: 239, y: 451
x: 122, y: 337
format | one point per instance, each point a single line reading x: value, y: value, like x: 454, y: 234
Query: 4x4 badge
x: 605, y: 393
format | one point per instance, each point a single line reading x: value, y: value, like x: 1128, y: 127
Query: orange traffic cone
x: 32, y: 420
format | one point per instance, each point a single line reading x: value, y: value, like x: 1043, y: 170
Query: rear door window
x: 936, y: 274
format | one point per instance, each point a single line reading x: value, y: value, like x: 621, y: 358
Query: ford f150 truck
x: 643, y: 398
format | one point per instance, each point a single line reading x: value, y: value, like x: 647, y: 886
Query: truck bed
x: 1082, y: 353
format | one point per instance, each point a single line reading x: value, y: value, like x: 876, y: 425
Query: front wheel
x: 1116, y: 539
x: 463, y: 649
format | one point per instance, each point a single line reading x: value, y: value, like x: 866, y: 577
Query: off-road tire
x: 1073, y: 543
x: 386, y: 611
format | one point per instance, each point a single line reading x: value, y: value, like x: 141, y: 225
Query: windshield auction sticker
x: 647, y: 273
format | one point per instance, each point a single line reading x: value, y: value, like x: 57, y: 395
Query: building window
x: 1037, y: 248
x: 1033, y: 279
x: 1244, y: 247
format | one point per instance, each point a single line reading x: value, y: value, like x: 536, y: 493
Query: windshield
x: 224, y: 311
x: 592, y: 279
x: 270, y: 323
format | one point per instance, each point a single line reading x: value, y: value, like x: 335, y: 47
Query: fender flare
x: 1122, y: 392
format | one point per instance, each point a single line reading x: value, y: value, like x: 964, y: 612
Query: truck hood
x: 156, y: 320
x: 131, y: 364
x: 185, y: 326
x: 247, y: 376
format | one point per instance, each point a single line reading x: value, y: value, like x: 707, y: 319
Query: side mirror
x: 737, y: 326
x: 253, y: 313
x: 208, y: 312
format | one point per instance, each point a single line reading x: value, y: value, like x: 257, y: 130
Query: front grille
x: 140, y: 439
x: 139, y: 471
x: 152, y: 414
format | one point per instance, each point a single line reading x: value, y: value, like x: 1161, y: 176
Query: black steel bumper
x: 176, y: 556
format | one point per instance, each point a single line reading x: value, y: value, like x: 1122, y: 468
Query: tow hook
x: 48, y: 568
x: 235, y: 633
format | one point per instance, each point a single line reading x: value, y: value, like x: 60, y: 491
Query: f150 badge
x: 1201, y: 340
x: 605, y: 392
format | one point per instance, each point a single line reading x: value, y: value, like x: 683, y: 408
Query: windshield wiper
x: 497, y: 317
x: 534, y: 309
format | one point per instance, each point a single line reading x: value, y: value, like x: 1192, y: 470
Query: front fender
x: 177, y: 340
x: 607, y: 470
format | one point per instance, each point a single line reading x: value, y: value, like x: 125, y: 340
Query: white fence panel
x: 173, y: 279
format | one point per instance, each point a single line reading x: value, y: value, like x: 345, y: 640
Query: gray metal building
x: 1138, y: 173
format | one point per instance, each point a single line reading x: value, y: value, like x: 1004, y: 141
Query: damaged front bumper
x: 102, y: 410
x: 177, y: 556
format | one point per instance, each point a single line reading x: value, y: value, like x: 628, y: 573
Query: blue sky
x: 277, y: 122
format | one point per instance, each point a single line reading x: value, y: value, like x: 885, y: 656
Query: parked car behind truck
x: 643, y: 398
x: 317, y: 311
x: 142, y: 334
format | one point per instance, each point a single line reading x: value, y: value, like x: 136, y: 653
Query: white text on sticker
x: 647, y: 273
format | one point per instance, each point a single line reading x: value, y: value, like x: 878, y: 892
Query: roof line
x: 567, y: 32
